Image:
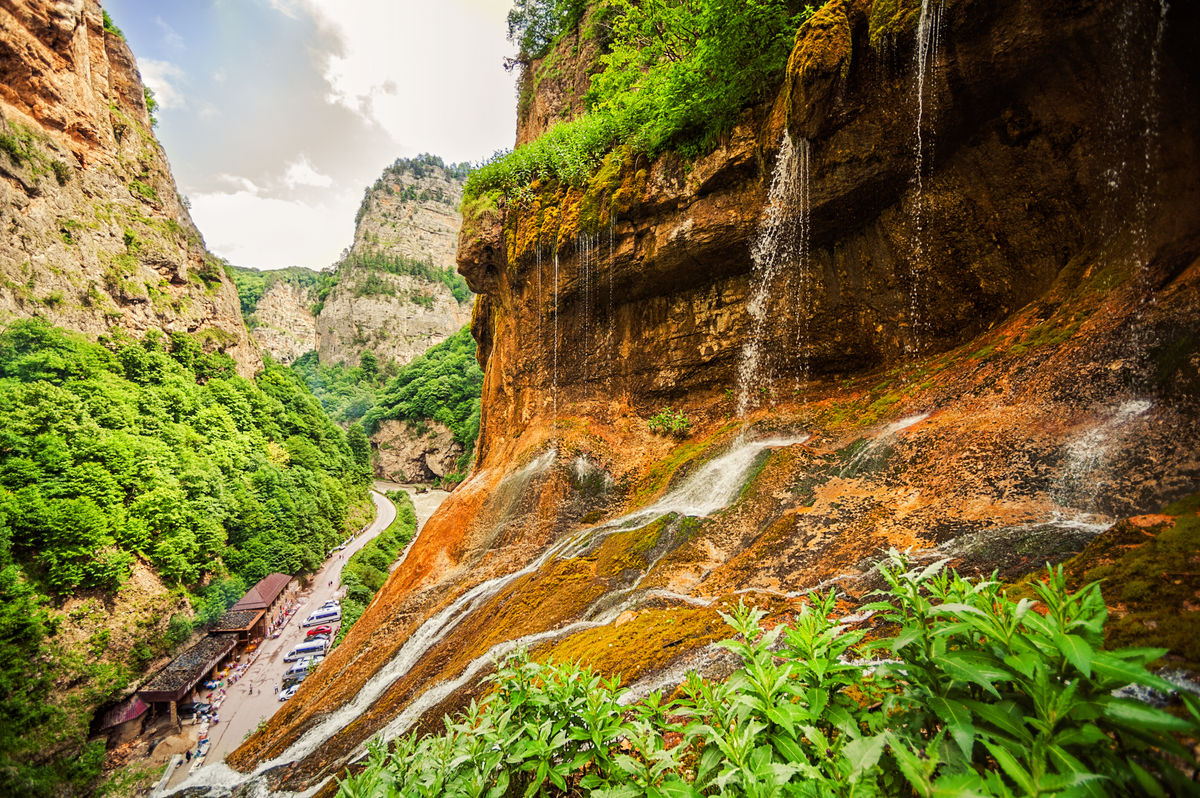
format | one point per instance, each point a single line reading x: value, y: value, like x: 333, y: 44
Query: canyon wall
x: 982, y: 342
x: 95, y: 237
x: 284, y: 324
x: 411, y: 213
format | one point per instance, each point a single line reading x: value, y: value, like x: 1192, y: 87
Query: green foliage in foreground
x: 677, y: 75
x: 975, y: 695
x: 367, y: 570
x: 443, y: 385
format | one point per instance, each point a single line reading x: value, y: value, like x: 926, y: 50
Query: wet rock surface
x: 989, y: 364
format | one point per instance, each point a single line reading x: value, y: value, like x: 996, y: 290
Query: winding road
x: 252, y: 699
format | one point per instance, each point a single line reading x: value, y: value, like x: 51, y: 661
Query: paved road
x: 242, y: 711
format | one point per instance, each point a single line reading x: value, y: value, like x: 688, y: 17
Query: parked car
x: 307, y: 649
x: 320, y: 630
x: 191, y: 710
x: 323, y: 616
x: 288, y: 692
x: 331, y: 603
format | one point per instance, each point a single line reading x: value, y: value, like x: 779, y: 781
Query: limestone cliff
x: 284, y: 324
x: 405, y: 452
x: 982, y: 343
x: 396, y: 316
x: 94, y: 234
x: 394, y: 294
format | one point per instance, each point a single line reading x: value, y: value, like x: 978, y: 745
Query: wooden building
x: 252, y: 617
x: 177, y: 682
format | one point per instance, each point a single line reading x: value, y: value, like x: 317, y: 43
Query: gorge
x: 929, y: 296
x: 983, y: 350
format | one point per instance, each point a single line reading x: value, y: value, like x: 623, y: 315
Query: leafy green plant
x: 676, y: 75
x: 670, y: 422
x: 979, y: 695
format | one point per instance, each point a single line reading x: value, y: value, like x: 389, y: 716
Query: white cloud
x: 268, y: 233
x: 302, y: 173
x: 237, y: 183
x: 171, y: 37
x: 162, y: 77
x: 413, y: 68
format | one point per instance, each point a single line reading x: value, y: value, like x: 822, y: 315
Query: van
x: 308, y: 649
x: 301, y: 667
x: 325, y: 615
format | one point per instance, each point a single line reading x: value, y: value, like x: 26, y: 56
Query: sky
x: 277, y: 114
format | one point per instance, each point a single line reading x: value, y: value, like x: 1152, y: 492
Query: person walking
x: 277, y: 688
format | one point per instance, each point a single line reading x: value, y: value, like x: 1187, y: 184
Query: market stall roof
x: 185, y: 671
x: 237, y: 620
x: 129, y: 709
x: 263, y: 594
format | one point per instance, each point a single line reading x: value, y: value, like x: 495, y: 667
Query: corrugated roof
x: 129, y: 709
x: 263, y: 594
x: 186, y: 670
x: 237, y: 620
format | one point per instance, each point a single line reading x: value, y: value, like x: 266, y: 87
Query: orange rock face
x: 95, y: 234
x: 986, y: 364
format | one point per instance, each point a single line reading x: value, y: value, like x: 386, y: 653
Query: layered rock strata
x: 94, y: 233
x: 285, y: 325
x: 985, y: 349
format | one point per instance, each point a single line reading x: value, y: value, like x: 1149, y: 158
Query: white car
x: 288, y: 692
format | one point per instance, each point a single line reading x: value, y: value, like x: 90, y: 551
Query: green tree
x: 369, y: 364
x: 359, y: 444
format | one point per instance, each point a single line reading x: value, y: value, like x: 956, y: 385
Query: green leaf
x: 1141, y: 716
x: 975, y: 668
x: 1077, y: 651
x: 1119, y: 670
x: 1012, y: 767
x: 863, y: 752
x: 957, y: 718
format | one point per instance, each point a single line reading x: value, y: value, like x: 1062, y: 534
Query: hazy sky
x: 276, y: 114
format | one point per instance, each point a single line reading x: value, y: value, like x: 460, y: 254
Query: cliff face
x: 286, y: 326
x: 410, y: 213
x: 405, y: 452
x: 395, y: 316
x: 956, y: 313
x: 95, y: 237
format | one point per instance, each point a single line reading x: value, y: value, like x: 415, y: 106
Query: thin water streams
x: 713, y: 486
x: 929, y: 26
x: 782, y: 241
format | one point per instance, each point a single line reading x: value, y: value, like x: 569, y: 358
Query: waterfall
x: 611, y: 314
x: 777, y: 245
x: 1088, y: 455
x: 929, y: 26
x: 554, y: 377
x: 713, y: 486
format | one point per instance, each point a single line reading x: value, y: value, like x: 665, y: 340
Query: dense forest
x: 128, y: 455
x: 444, y: 385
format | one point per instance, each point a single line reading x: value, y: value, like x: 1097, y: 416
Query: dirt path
x: 242, y: 710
